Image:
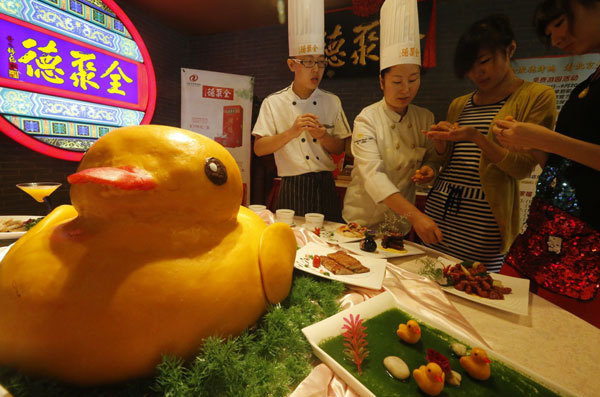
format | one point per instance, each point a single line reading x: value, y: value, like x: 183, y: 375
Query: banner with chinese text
x: 70, y: 73
x: 563, y: 73
x: 219, y: 106
x: 352, y: 42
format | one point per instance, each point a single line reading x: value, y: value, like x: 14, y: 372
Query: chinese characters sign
x: 70, y: 72
x: 217, y: 92
x: 41, y: 59
x: 352, y: 42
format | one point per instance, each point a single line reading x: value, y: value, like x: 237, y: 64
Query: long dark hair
x: 492, y: 33
x: 548, y: 10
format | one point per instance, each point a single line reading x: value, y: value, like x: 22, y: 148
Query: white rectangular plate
x: 516, y: 302
x: 15, y: 235
x: 372, y: 279
x: 332, y: 326
x: 381, y: 252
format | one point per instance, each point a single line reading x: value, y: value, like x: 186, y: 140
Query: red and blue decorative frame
x: 37, y: 108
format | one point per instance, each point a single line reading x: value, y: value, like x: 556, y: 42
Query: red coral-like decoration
x: 434, y: 357
x: 355, y: 340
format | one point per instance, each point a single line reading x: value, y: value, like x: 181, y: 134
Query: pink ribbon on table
x: 323, y: 382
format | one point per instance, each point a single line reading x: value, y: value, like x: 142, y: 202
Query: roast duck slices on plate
x: 340, y: 263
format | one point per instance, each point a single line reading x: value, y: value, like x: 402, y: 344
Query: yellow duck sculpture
x: 430, y: 379
x: 155, y: 255
x: 409, y: 332
x: 477, y: 364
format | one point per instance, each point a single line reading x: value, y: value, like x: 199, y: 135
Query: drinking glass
x: 40, y: 191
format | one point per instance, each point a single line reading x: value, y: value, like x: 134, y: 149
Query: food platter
x: 330, y: 233
x: 516, y: 302
x: 372, y: 279
x: 14, y: 234
x: 325, y: 330
x: 381, y: 252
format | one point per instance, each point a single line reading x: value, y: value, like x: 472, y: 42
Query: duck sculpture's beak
x: 126, y: 177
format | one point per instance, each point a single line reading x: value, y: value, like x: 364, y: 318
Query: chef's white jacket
x: 387, y: 150
x: 302, y: 154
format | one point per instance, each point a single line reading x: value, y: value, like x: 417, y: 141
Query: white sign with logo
x: 563, y: 73
x: 219, y: 106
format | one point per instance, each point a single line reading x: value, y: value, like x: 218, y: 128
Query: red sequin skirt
x: 559, y: 252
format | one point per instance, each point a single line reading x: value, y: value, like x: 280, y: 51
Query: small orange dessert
x: 409, y: 332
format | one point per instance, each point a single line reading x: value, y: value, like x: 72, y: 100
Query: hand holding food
x: 445, y: 131
x: 423, y: 175
x: 304, y: 122
x: 519, y: 136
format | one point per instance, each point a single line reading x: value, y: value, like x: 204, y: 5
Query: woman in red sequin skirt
x: 560, y: 250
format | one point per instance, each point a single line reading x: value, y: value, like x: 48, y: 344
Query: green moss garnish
x: 383, y: 342
x: 270, y: 359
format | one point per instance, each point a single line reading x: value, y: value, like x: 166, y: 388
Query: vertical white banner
x: 562, y: 73
x: 219, y: 106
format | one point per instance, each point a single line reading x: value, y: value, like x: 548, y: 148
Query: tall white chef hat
x: 399, y: 33
x: 306, y: 27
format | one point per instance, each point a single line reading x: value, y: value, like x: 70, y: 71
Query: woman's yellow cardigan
x: 533, y: 103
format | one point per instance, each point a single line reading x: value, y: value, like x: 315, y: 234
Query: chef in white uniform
x: 391, y: 153
x: 302, y: 124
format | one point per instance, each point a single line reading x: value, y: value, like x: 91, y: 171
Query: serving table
x: 549, y: 341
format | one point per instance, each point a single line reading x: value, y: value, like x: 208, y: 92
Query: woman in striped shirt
x: 475, y: 200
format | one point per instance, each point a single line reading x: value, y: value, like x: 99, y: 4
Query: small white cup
x: 257, y: 207
x: 314, y: 219
x: 285, y: 216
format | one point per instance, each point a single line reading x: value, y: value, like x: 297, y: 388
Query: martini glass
x: 40, y: 191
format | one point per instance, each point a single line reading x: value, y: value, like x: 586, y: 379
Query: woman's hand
x: 446, y: 131
x: 426, y: 228
x: 518, y: 136
x: 423, y: 175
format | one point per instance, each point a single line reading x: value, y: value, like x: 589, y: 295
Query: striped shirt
x: 457, y: 202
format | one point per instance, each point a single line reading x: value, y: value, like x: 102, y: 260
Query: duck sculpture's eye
x: 215, y: 170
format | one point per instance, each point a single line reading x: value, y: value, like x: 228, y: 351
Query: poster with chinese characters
x: 219, y: 106
x: 562, y: 73
x: 69, y: 73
